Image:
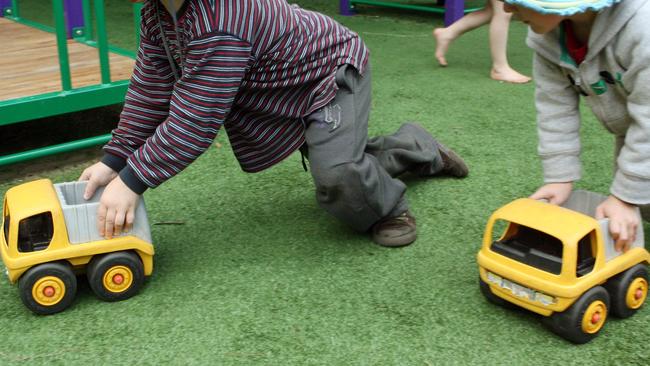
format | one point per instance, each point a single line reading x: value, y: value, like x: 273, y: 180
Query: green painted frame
x: 424, y: 8
x: 68, y: 99
x: 451, y: 13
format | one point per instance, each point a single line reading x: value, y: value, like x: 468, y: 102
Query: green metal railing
x: 397, y: 5
x: 62, y: 45
x: 386, y: 4
x: 69, y: 99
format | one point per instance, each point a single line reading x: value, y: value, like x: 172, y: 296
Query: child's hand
x: 555, y: 193
x: 97, y: 175
x: 116, y: 209
x: 623, y: 221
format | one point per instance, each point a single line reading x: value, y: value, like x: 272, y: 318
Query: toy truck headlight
x: 521, y: 291
x: 495, y: 279
x: 545, y: 299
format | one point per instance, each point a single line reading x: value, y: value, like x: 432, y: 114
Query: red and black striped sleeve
x: 146, y: 104
x: 200, y: 101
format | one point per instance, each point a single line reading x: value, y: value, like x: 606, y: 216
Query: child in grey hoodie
x: 599, y: 49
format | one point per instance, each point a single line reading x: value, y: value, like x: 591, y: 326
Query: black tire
x: 569, y: 324
x: 618, y: 287
x: 103, y: 272
x: 48, y: 288
x: 491, y: 297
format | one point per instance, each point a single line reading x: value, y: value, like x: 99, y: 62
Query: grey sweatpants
x: 354, y: 175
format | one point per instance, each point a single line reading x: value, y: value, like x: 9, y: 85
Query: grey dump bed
x: 81, y: 215
x: 586, y: 202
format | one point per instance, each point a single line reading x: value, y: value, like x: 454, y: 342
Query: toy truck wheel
x: 491, y: 297
x: 583, y: 320
x: 628, y: 291
x: 48, y: 288
x: 116, y: 276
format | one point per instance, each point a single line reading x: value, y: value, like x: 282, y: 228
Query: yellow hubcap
x: 48, y: 290
x: 118, y: 279
x: 594, y: 318
x: 636, y: 293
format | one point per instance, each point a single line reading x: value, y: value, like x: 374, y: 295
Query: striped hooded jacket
x: 255, y: 67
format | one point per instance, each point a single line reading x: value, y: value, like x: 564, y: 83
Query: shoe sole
x: 395, y: 242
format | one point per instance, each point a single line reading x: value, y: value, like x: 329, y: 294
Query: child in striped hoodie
x: 278, y: 78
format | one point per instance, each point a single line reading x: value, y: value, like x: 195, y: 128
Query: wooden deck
x: 29, y: 63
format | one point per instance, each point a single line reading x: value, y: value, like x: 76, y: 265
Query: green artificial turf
x: 249, y: 270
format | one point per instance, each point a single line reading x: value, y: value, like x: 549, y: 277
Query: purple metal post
x: 345, y: 8
x: 4, y: 4
x: 454, y: 10
x: 74, y: 14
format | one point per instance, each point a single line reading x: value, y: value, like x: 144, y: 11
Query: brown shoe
x: 452, y: 163
x: 395, y: 231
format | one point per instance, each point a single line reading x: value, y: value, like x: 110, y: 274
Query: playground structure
x: 71, y: 67
x: 452, y: 9
x: 54, y: 70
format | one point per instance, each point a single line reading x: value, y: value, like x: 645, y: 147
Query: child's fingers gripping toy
x: 50, y: 235
x: 560, y: 262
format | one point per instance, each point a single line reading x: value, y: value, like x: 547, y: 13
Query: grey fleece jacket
x: 615, y: 80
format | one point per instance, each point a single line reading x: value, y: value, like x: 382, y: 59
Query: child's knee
x: 335, y: 182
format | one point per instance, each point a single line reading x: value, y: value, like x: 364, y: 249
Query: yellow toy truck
x: 560, y: 262
x: 50, y: 235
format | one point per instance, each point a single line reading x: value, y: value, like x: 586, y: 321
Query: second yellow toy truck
x: 560, y: 262
x: 50, y: 235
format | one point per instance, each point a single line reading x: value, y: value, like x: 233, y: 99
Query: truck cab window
x: 35, y: 232
x: 586, y: 258
x: 6, y: 227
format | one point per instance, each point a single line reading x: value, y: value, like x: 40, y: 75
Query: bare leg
x: 499, y: 25
x: 444, y: 36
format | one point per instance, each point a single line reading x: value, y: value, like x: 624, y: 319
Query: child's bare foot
x: 509, y: 75
x: 443, y: 40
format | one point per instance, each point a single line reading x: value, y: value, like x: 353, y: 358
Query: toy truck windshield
x: 542, y: 251
x: 531, y: 247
